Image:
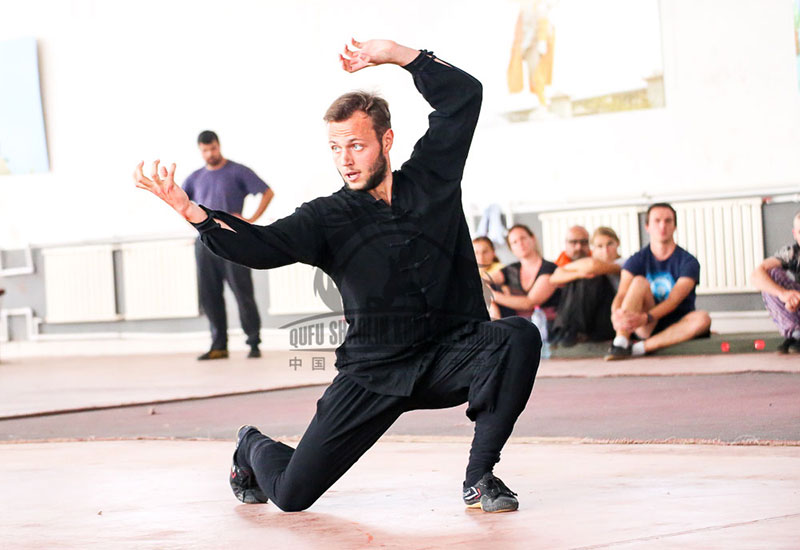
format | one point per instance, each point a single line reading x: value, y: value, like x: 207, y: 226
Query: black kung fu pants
x: 212, y: 272
x: 496, y: 378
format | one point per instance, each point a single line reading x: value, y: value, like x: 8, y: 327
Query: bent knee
x: 701, y: 322
x: 294, y: 497
x: 640, y: 280
x: 524, y: 333
x: 293, y: 503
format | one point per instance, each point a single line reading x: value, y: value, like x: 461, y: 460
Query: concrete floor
x: 142, y: 488
x: 174, y: 494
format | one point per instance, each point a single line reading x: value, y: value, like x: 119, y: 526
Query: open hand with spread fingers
x: 375, y: 52
x: 162, y: 184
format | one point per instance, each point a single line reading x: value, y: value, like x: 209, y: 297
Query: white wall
x: 129, y: 81
x: 731, y: 122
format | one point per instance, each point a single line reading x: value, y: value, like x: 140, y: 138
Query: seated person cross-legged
x: 588, y: 285
x: 525, y: 284
x: 656, y: 295
x: 778, y: 279
x: 485, y: 255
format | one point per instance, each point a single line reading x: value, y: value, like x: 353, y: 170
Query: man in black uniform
x: 398, y: 248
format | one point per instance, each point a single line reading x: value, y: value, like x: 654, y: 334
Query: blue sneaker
x: 242, y: 480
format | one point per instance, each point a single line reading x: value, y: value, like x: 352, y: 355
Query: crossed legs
x: 787, y: 321
x: 639, y: 298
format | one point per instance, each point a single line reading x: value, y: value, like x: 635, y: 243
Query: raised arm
x: 454, y: 95
x: 375, y: 52
x: 456, y: 98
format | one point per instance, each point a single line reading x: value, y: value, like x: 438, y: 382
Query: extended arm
x: 295, y: 238
x: 162, y: 184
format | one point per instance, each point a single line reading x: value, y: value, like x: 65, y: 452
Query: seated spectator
x: 777, y: 279
x: 525, y: 284
x: 576, y: 246
x: 485, y: 255
x: 588, y: 286
x: 488, y: 264
x: 656, y: 295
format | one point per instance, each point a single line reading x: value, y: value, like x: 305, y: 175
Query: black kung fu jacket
x: 406, y: 272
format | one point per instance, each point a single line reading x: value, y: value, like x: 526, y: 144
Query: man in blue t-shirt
x: 223, y: 185
x: 656, y: 293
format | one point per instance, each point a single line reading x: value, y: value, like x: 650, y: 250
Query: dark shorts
x: 671, y: 319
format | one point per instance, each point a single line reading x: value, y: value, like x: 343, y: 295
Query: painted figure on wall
x: 532, y: 49
x: 797, y: 38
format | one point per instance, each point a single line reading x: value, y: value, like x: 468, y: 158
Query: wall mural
x: 581, y: 57
x: 797, y: 39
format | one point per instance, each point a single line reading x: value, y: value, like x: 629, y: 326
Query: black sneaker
x: 214, y: 354
x: 790, y: 345
x: 490, y: 494
x: 616, y: 353
x: 254, y: 353
x: 242, y: 480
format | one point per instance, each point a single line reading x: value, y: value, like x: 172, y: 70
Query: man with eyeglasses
x: 585, y: 297
x: 576, y: 246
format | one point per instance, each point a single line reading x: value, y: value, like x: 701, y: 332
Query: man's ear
x: 387, y: 141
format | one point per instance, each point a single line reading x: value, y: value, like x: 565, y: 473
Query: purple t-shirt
x: 223, y: 189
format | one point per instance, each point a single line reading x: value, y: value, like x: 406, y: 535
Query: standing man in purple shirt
x: 223, y: 184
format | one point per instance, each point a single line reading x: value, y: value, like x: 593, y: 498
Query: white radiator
x: 623, y: 220
x: 159, y: 280
x: 291, y: 290
x: 727, y: 238
x: 79, y: 284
